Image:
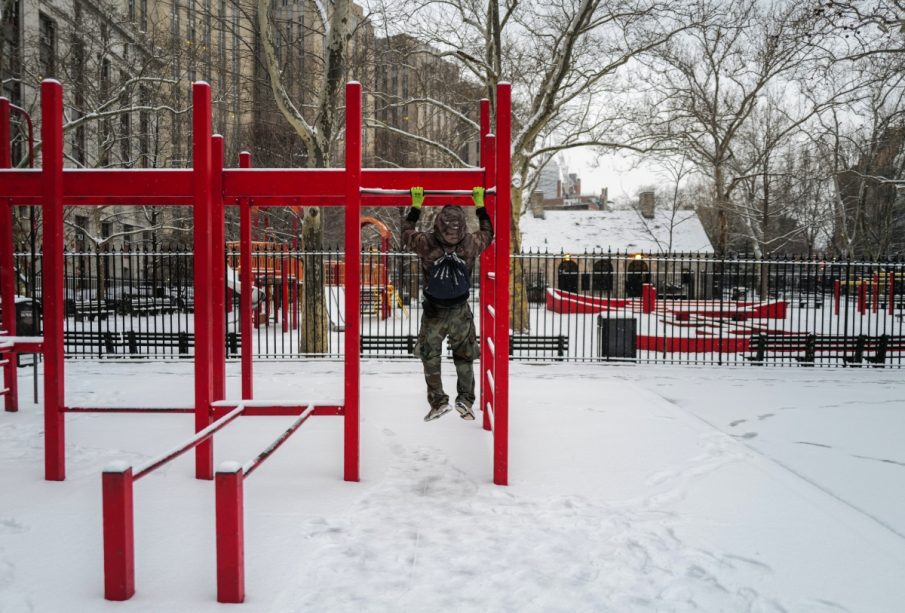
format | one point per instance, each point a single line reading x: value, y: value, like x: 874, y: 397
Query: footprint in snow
x: 737, y: 422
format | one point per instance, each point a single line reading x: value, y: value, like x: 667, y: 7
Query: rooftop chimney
x: 646, y: 203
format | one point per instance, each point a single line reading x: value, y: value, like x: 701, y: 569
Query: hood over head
x: 449, y: 226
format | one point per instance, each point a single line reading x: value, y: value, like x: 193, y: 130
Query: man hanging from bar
x: 448, y: 253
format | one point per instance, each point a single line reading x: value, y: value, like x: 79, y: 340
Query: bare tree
x: 563, y: 59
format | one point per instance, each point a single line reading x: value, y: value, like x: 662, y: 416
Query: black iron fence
x: 672, y: 308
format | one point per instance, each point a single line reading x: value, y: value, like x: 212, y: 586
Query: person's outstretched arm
x: 484, y: 235
x: 412, y: 238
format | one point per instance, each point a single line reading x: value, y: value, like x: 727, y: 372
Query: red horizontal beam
x: 127, y: 410
x: 282, y: 410
x: 274, y: 187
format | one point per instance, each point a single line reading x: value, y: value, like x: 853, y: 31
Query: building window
x: 47, y: 46
x: 128, y: 236
x: 106, y: 229
x: 144, y: 15
x: 81, y: 239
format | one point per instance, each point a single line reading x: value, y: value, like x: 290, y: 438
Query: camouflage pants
x: 457, y: 323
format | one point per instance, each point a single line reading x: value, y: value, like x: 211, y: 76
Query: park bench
x: 138, y: 340
x: 95, y: 341
x: 539, y: 344
x: 384, y: 344
x: 89, y: 309
x: 852, y: 350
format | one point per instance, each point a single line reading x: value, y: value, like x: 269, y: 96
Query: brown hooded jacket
x: 449, y: 235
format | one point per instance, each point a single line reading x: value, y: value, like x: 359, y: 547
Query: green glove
x: 477, y: 195
x: 417, y: 197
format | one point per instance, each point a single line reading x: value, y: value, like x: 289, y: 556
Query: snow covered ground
x: 633, y: 488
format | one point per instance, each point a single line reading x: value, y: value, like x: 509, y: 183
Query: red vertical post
x: 648, y: 298
x: 837, y: 292
x: 284, y: 288
x: 353, y: 281
x: 246, y: 314
x: 501, y: 295
x: 218, y: 271
x: 119, y: 533
x: 230, y: 533
x: 488, y: 263
x: 484, y: 283
x: 875, y: 291
x: 52, y: 278
x: 201, y: 175
x: 892, y: 292
x: 862, y: 297
x: 7, y: 266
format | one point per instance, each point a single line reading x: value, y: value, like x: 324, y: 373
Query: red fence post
x: 837, y: 292
x: 246, y: 314
x: 52, y: 280
x: 502, y: 293
x: 7, y: 266
x: 353, y: 282
x: 201, y: 175
x: 218, y: 271
x: 862, y: 297
x: 119, y: 535
x: 284, y: 289
x: 875, y: 298
x: 648, y: 298
x: 230, y: 533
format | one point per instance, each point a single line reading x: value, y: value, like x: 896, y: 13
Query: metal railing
x: 594, y: 306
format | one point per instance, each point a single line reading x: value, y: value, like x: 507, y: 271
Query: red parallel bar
x: 230, y: 533
x: 52, y: 276
x: 23, y: 186
x: 119, y: 533
x: 484, y: 287
x: 245, y: 309
x: 353, y: 179
x: 218, y: 271
x: 7, y: 266
x: 102, y: 187
x: 254, y: 464
x: 196, y: 441
x: 501, y: 319
x: 201, y: 166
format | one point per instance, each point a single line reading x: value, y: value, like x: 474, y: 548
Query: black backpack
x: 449, y: 278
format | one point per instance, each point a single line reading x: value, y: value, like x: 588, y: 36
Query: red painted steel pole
x: 201, y: 175
x: 837, y: 292
x: 119, y: 533
x: 875, y: 298
x: 230, y: 533
x: 52, y: 278
x: 484, y: 287
x: 353, y: 281
x: 488, y: 330
x: 7, y: 265
x: 503, y: 220
x: 862, y: 297
x: 246, y: 313
x: 892, y: 292
x: 284, y: 289
x: 218, y: 270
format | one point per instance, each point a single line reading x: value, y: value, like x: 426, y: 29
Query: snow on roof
x: 618, y: 230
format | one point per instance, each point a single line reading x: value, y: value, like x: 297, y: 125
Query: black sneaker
x: 437, y: 412
x: 465, y: 411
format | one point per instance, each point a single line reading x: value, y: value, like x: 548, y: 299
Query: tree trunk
x: 518, y: 309
x: 314, y: 337
x: 722, y: 206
